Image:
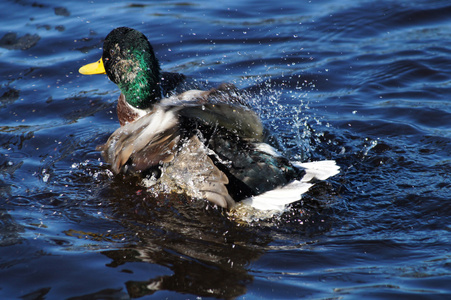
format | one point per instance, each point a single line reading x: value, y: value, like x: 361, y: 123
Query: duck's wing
x: 236, y: 119
x: 157, y: 139
x: 145, y: 143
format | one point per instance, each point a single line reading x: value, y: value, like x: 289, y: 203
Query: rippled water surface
x: 367, y: 83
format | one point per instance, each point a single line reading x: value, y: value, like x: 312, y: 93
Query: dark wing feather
x: 239, y: 120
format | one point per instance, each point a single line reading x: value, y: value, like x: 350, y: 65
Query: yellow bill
x: 93, y: 68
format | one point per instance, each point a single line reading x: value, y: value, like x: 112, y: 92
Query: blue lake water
x: 367, y: 83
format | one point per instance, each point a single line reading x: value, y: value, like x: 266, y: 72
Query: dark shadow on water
x: 11, y: 41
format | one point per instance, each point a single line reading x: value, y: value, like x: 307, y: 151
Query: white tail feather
x: 320, y: 170
x: 279, y: 198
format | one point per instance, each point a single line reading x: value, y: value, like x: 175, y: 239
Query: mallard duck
x: 206, y: 144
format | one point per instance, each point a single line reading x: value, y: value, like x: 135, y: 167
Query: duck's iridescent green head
x: 129, y: 61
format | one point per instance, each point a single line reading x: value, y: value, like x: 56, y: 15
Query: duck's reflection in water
x: 189, y: 246
x: 207, y: 253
